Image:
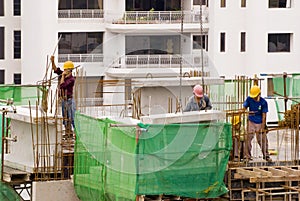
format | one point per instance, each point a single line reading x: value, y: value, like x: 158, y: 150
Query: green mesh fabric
x: 292, y: 90
x: 8, y: 194
x: 20, y: 94
x: 119, y: 163
x: 296, y: 87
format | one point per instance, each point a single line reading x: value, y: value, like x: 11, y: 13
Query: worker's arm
x: 264, y: 121
x: 53, y: 63
x: 208, y: 103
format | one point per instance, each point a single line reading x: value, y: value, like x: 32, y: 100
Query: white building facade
x: 238, y: 37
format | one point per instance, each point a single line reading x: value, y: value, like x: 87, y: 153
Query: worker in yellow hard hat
x: 258, y: 108
x: 66, y: 85
x: 238, y: 132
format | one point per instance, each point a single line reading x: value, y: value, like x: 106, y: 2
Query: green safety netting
x: 292, y: 91
x: 7, y: 193
x: 119, y: 163
x: 21, y: 95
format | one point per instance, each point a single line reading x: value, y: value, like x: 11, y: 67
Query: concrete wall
x: 10, y: 23
x: 62, y: 190
x: 257, y: 20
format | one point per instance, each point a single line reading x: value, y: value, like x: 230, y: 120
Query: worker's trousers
x: 261, y: 137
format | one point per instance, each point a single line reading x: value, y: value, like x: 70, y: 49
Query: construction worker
x: 258, y: 108
x: 199, y: 101
x: 238, y: 133
x: 66, y: 85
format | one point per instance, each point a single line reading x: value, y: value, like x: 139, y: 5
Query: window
x: 223, y: 3
x: 222, y: 42
x: 1, y: 42
x: 243, y: 41
x: 2, y: 74
x: 80, y: 43
x: 157, y: 5
x: 17, y: 7
x: 151, y: 45
x: 79, y: 4
x: 17, y: 78
x: 279, y: 3
x: 198, y: 39
x: 279, y: 42
x: 1, y: 7
x: 243, y: 3
x: 17, y: 44
x: 203, y: 2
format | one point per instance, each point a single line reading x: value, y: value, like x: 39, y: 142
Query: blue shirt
x: 257, y: 108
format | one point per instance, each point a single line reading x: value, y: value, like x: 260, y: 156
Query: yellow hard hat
x: 68, y: 65
x: 254, y: 91
x: 235, y: 120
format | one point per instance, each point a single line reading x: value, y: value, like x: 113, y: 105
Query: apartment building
x: 113, y: 37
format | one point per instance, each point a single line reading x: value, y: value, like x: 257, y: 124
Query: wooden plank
x: 258, y: 190
x: 262, y: 172
x: 293, y: 188
x: 291, y: 171
x: 274, y: 179
x: 277, y: 172
x: 248, y: 173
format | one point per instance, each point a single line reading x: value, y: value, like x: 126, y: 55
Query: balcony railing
x: 80, y: 58
x: 77, y: 13
x: 158, y: 17
x: 160, y: 61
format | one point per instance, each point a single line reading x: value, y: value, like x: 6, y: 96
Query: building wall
x: 40, y: 36
x: 10, y: 23
x: 257, y: 20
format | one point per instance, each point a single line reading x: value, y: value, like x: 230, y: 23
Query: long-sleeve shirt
x: 193, y: 105
x: 66, y: 88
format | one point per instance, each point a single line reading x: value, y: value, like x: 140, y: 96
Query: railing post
x: 159, y: 16
x: 136, y: 17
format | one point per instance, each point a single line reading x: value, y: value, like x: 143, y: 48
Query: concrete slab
x: 186, y: 117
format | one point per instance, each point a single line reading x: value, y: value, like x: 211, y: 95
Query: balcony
x: 80, y: 58
x: 143, y: 66
x: 78, y: 13
x: 160, y: 61
x: 157, y: 17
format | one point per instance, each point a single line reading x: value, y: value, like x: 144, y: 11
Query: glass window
x: 80, y: 43
x: 17, y: 78
x: 222, y: 42
x: 157, y: 5
x: 279, y: 3
x: 1, y: 42
x: 223, y: 3
x: 1, y: 7
x: 145, y: 45
x: 17, y: 7
x: 243, y: 41
x: 79, y: 4
x: 279, y: 42
x: 243, y: 3
x: 17, y: 44
x: 197, y: 2
x: 198, y: 39
x: 2, y: 76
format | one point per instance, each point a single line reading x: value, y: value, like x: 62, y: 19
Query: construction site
x: 146, y: 148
